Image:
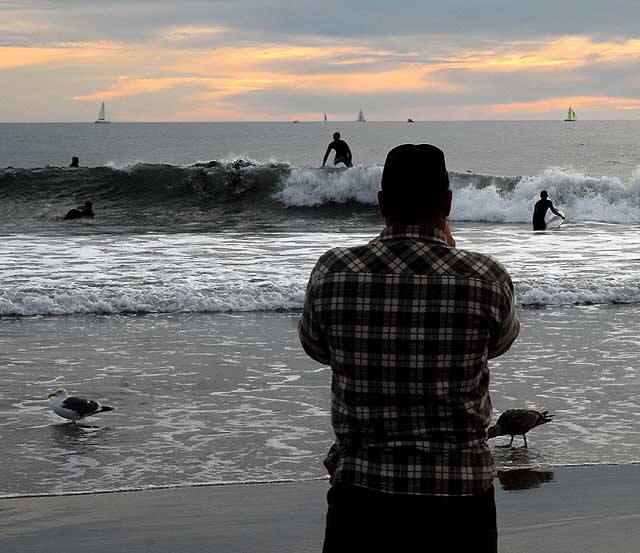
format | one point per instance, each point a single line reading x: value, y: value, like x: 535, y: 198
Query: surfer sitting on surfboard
x: 343, y: 153
x: 540, y: 210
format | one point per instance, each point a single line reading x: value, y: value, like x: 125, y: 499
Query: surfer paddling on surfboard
x: 540, y: 211
x: 343, y: 152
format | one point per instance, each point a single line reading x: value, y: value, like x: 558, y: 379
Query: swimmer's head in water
x: 336, y: 136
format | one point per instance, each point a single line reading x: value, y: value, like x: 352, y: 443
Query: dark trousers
x: 367, y: 521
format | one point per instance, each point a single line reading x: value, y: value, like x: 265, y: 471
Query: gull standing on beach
x: 517, y: 422
x: 74, y: 408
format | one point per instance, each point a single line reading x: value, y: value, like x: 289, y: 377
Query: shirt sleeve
x: 509, y: 326
x: 310, y: 331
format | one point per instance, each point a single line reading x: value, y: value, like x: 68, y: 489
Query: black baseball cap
x: 414, y: 170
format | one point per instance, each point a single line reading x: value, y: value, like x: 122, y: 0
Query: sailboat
x: 101, y: 118
x: 571, y: 115
x: 361, y: 118
x: 325, y: 116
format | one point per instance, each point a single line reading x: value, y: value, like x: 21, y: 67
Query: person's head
x: 415, y: 185
x: 544, y: 194
x: 74, y: 161
x: 336, y: 136
x: 88, y: 205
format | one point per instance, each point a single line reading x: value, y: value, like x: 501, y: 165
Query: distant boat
x: 325, y: 116
x: 361, y: 118
x: 571, y: 115
x: 295, y: 121
x: 101, y: 118
x: 410, y: 120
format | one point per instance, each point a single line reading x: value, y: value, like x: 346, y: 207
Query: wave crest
x: 29, y: 193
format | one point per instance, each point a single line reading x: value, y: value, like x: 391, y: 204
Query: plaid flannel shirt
x: 408, y: 325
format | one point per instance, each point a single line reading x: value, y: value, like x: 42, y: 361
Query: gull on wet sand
x: 74, y: 408
x: 517, y: 422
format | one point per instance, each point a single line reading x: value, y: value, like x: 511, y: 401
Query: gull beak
x: 52, y: 394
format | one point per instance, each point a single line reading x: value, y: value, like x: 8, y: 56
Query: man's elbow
x: 505, y: 341
x: 316, y: 354
x: 315, y: 349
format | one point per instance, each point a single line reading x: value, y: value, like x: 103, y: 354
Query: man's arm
x: 310, y: 332
x: 509, y: 325
x: 348, y: 152
x: 326, y: 155
x: 555, y: 211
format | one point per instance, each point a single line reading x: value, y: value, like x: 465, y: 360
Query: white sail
x: 361, y: 118
x: 101, y: 116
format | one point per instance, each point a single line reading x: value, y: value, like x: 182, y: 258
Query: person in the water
x: 75, y: 162
x: 540, y: 210
x: 85, y: 210
x: 343, y: 152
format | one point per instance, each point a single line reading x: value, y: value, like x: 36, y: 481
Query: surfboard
x: 553, y: 221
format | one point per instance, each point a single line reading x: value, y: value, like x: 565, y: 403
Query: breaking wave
x: 240, y: 184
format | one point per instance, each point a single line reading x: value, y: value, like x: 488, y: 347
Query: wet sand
x: 218, y: 398
x: 577, y: 509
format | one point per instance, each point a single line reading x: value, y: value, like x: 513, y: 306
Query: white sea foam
x: 175, y: 299
x: 556, y: 295
x: 581, y: 197
x: 171, y: 299
x: 308, y: 187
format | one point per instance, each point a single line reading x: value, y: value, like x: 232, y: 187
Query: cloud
x: 370, y: 19
x: 126, y: 86
x: 224, y: 59
x: 62, y: 54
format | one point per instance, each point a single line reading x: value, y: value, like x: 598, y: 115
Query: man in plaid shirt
x: 408, y: 323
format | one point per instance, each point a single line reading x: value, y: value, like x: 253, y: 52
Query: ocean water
x: 177, y: 304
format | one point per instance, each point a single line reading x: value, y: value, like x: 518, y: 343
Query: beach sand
x: 593, y: 509
x: 218, y: 397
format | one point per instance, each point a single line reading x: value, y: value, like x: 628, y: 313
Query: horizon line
x: 295, y: 122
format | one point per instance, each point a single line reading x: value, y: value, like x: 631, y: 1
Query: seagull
x: 74, y: 408
x: 517, y: 422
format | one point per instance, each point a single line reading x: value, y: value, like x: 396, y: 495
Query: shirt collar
x: 427, y: 233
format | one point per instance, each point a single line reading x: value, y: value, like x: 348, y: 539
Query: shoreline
x: 203, y: 399
x: 591, y: 509
x: 503, y: 475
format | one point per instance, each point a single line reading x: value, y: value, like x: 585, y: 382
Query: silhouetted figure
x: 343, y: 153
x: 540, y: 210
x: 408, y: 324
x: 85, y: 210
x: 75, y: 162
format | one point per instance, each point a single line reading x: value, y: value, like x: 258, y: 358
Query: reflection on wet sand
x: 523, y: 479
x: 509, y: 457
x: 516, y: 463
x: 77, y: 438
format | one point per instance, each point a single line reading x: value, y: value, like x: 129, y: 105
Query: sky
x: 280, y: 60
